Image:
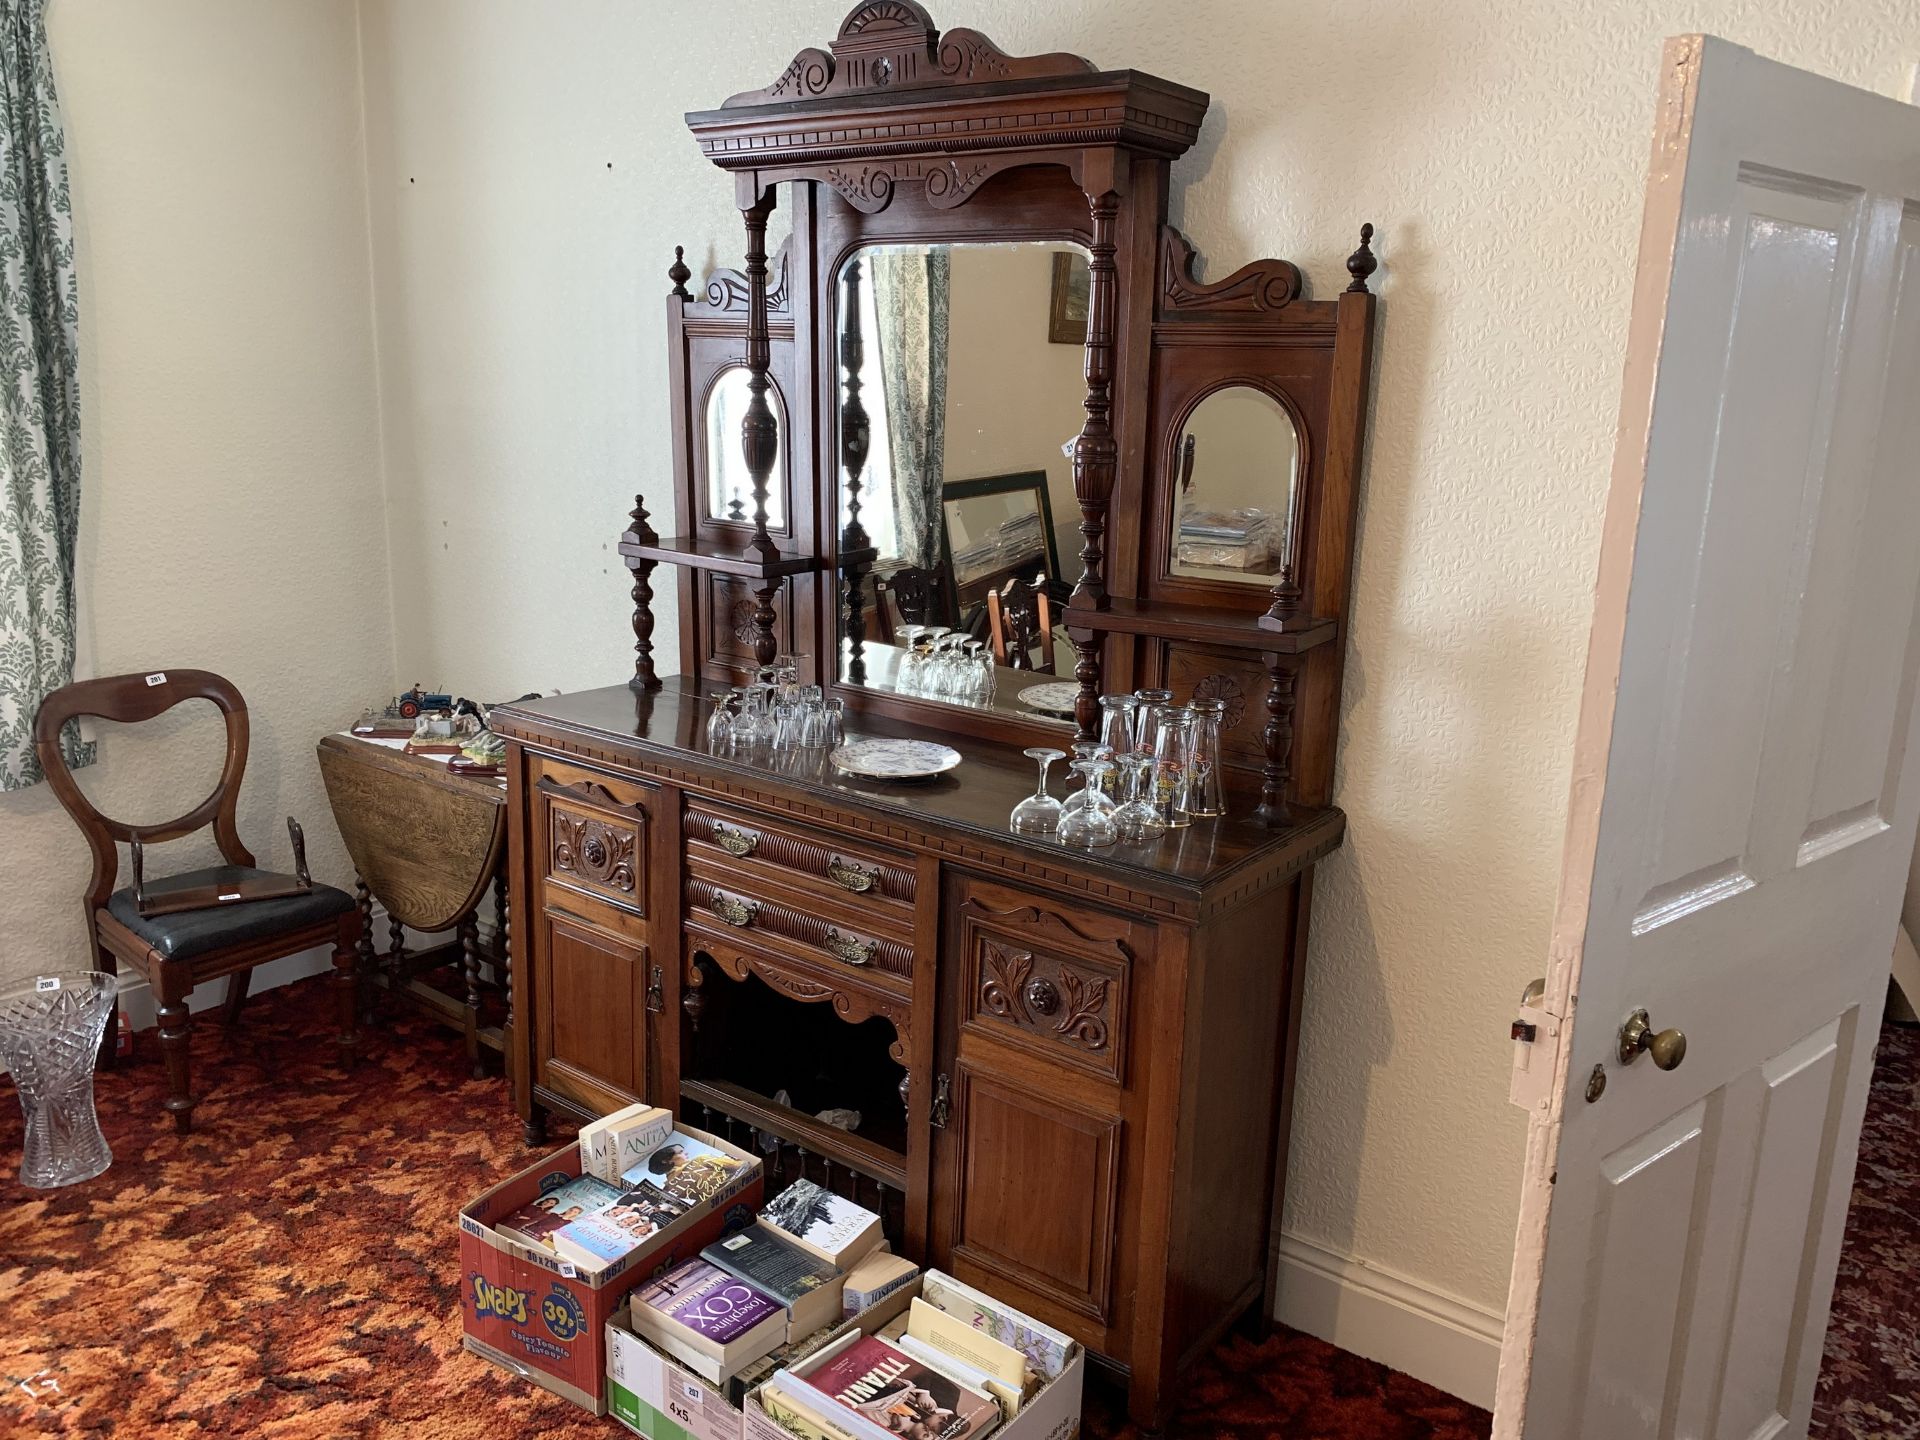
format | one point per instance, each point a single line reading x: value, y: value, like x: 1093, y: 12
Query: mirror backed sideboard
x: 980, y: 406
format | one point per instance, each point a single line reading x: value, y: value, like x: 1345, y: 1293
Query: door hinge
x: 656, y: 991
x: 1536, y: 1050
x: 937, y: 1116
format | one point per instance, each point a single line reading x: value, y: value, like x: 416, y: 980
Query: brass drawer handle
x: 851, y: 949
x: 849, y: 876
x: 738, y: 843
x: 734, y: 910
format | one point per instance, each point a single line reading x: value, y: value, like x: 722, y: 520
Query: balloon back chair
x: 176, y: 952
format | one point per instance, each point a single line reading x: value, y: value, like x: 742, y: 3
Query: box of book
x: 933, y: 1359
x: 651, y: 1391
x: 536, y: 1295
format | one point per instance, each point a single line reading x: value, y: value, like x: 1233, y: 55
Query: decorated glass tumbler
x: 49, y: 1037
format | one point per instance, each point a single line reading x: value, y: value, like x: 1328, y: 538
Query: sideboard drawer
x: 877, y: 884
x: 594, y: 829
x: 711, y: 898
x: 1047, y: 977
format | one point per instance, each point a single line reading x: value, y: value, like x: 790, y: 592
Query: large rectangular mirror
x: 961, y: 389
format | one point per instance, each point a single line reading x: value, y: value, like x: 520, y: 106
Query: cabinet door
x: 1032, y: 1183
x: 596, y: 978
x: 594, y: 1019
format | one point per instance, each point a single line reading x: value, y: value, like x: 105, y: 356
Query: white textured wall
x: 233, y: 512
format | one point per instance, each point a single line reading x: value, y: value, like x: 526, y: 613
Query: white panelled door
x: 1745, y: 782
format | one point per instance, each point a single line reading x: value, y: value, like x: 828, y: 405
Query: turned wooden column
x: 1095, y: 454
x: 642, y: 533
x: 856, y: 546
x: 1277, y: 772
x: 760, y: 431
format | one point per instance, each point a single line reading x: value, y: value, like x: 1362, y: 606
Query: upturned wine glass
x: 1139, y: 817
x: 1039, y: 813
x: 1090, y: 826
x: 1096, y: 793
x: 720, y: 721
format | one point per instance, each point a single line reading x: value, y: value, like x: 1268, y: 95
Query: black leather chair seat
x: 187, y: 933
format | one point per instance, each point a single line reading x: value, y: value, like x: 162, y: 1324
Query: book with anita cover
x: 686, y: 1168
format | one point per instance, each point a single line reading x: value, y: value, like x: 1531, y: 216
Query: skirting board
x: 1452, y: 1345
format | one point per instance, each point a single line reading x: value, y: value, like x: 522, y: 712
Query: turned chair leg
x: 176, y: 1032
x: 346, y: 986
x: 236, y: 996
x: 469, y: 930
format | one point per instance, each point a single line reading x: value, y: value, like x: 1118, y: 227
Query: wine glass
x: 1139, y: 818
x: 906, y: 677
x: 720, y: 722
x: 1039, y: 813
x: 1095, y: 794
x: 1090, y: 826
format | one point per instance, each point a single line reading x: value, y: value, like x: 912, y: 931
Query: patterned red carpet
x: 289, y: 1270
x: 1870, y: 1381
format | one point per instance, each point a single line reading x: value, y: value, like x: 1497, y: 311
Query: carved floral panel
x: 1068, y: 1008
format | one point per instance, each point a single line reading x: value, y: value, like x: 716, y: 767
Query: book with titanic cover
x: 686, y: 1169
x: 903, y: 1396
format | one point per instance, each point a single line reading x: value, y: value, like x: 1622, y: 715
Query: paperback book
x: 687, y: 1169
x: 717, y: 1323
x: 616, y: 1143
x: 950, y: 1335
x: 771, y: 1261
x: 595, y: 1241
x: 1046, y: 1349
x: 807, y: 1285
x: 873, y: 1279
x: 887, y: 1388
x: 829, y: 1225
x: 537, y: 1223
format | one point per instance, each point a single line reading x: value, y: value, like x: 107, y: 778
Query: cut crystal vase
x: 49, y: 1038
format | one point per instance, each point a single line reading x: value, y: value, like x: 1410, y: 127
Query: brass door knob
x: 1668, y: 1047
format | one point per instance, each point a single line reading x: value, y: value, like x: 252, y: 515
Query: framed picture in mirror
x: 1067, y: 314
x: 992, y: 530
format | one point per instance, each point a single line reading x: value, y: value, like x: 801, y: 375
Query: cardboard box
x: 534, y: 1314
x: 654, y: 1395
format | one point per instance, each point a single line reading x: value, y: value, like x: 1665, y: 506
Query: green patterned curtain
x: 39, y: 395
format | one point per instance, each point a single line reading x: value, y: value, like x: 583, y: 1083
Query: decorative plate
x: 895, y: 759
x: 1055, y: 699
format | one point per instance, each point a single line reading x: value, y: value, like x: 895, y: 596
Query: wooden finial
x: 679, y: 274
x: 638, y: 522
x: 1362, y: 263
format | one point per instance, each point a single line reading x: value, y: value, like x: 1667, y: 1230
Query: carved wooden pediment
x: 1254, y: 289
x: 889, y: 45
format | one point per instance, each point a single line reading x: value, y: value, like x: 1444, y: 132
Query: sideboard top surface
x: 665, y: 731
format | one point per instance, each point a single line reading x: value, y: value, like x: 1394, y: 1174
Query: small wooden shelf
x: 856, y: 1152
x: 686, y: 550
x: 1202, y: 625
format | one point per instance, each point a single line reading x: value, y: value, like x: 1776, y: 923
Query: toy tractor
x: 411, y: 704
